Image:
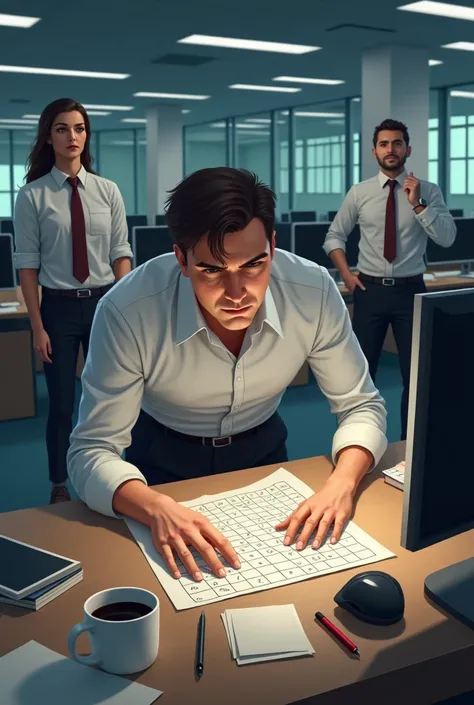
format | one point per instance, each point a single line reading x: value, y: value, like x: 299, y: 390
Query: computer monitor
x: 6, y: 226
x: 285, y: 217
x: 134, y: 221
x: 160, y: 220
x: 457, y: 212
x: 7, y: 270
x: 438, y: 500
x: 150, y: 241
x: 331, y: 215
x: 303, y: 217
x: 283, y: 236
x: 309, y: 239
x: 460, y: 252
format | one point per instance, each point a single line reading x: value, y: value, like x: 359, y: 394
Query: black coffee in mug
x: 121, y: 611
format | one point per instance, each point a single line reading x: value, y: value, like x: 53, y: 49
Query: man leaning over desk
x: 189, y: 357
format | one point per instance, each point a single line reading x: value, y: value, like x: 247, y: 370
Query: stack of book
x: 396, y: 476
x: 31, y: 576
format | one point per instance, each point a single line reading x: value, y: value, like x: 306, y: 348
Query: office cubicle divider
x: 134, y: 221
x: 303, y: 217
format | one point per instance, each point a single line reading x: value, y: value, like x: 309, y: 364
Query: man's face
x: 231, y: 293
x: 391, y: 151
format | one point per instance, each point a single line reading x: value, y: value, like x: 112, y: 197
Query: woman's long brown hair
x: 41, y: 158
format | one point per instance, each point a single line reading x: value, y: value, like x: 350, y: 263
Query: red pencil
x: 337, y: 633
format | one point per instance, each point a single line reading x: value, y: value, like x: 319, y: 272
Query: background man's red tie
x: 80, y: 264
x: 390, y: 245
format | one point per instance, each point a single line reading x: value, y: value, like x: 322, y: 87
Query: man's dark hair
x: 393, y: 125
x: 215, y: 202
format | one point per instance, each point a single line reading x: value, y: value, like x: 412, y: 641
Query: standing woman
x: 71, y: 238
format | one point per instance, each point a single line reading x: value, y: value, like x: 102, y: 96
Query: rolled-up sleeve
x: 27, y: 233
x: 119, y: 245
x: 112, y: 390
x: 436, y: 219
x: 343, y: 224
x: 342, y: 373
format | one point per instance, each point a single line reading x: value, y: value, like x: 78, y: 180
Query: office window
x: 355, y: 158
x: 284, y: 168
x: 205, y: 146
x: 461, y: 161
x: 299, y: 167
x: 433, y: 136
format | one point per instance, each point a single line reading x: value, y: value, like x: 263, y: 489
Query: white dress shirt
x: 151, y: 348
x: 366, y: 204
x: 43, y: 234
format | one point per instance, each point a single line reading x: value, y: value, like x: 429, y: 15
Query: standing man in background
x: 396, y: 213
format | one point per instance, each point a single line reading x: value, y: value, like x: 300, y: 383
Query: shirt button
x: 236, y: 407
x: 226, y: 426
x: 238, y: 365
x: 239, y: 379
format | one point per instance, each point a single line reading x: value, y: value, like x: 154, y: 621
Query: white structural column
x: 395, y: 84
x: 164, y: 155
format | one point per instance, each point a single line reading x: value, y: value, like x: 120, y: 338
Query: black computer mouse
x: 374, y: 597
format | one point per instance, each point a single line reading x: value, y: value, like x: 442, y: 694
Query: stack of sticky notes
x: 265, y: 634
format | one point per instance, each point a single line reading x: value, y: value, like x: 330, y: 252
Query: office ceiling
x: 133, y: 37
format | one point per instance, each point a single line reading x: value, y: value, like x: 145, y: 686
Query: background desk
x: 426, y: 658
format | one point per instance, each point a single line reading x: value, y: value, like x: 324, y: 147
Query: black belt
x: 212, y: 442
x: 79, y: 293
x: 390, y: 281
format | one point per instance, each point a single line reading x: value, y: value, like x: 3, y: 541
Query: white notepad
x: 35, y: 674
x: 265, y: 634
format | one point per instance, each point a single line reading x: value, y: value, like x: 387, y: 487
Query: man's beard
x: 392, y: 166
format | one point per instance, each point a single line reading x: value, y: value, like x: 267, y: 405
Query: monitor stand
x: 452, y: 588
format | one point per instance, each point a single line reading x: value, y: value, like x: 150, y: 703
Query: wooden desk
x: 426, y: 657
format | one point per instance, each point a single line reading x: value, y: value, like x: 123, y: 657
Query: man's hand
x: 42, y: 345
x: 174, y: 528
x: 333, y: 504
x: 411, y: 186
x: 351, y: 281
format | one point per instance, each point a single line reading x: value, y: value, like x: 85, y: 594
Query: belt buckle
x: 83, y: 293
x: 217, y: 444
x: 388, y: 281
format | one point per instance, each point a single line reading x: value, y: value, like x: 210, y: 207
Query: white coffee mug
x: 120, y: 647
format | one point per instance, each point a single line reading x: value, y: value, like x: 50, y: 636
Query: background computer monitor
x: 160, y: 220
x: 6, y: 226
x: 456, y: 212
x: 7, y: 270
x: 331, y: 215
x: 438, y: 500
x: 283, y: 236
x: 309, y: 239
x: 303, y: 217
x: 285, y: 217
x: 149, y: 242
x: 462, y: 249
x: 133, y: 221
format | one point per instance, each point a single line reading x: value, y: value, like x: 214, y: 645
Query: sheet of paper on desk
x: 247, y: 517
x: 35, y: 674
x: 8, y: 309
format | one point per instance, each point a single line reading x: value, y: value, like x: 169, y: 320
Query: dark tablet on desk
x: 25, y: 568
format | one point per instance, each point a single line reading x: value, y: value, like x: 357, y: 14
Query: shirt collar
x: 60, y: 177
x: 190, y: 319
x: 383, y: 178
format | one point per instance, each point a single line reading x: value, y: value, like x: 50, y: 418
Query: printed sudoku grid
x: 248, y: 520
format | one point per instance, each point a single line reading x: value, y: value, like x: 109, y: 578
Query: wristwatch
x: 421, y: 202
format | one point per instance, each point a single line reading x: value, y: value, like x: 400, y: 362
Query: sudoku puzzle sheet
x: 247, y: 517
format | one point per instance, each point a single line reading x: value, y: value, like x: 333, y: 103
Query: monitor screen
x: 303, y: 216
x: 462, y: 249
x: 309, y: 239
x: 161, y: 220
x: 149, y: 242
x: 7, y: 270
x: 6, y: 226
x: 133, y: 221
x: 283, y: 236
x: 439, y: 480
